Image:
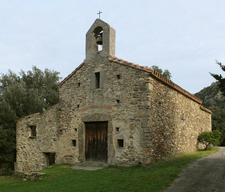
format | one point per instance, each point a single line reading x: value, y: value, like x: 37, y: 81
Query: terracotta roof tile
x: 205, y: 109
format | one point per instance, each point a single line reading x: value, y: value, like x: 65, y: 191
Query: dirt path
x: 204, y: 175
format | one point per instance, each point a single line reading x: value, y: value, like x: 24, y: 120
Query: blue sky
x: 185, y: 37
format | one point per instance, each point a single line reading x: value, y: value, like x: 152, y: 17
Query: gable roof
x: 152, y: 72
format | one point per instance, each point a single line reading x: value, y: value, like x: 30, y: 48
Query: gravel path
x: 204, y: 175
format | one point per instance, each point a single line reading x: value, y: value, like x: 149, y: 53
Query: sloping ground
x: 204, y: 175
x: 58, y: 178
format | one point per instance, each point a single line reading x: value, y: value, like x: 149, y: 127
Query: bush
x: 9, y: 172
x: 209, y: 138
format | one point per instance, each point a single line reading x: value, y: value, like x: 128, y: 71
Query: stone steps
x: 90, y: 165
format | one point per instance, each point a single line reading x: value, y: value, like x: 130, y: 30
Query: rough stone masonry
x: 112, y: 111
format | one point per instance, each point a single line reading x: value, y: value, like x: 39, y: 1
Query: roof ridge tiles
x: 205, y: 109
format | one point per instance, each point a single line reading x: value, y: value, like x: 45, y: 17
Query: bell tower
x: 100, y: 39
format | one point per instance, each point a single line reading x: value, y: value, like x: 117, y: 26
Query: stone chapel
x: 111, y: 111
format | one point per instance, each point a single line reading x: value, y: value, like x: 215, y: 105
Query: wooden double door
x: 96, y: 141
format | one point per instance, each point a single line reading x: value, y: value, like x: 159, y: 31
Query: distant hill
x: 211, y: 96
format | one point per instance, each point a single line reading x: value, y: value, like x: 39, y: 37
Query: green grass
x: 152, y: 178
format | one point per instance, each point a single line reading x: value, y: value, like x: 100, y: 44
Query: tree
x: 7, y: 132
x: 166, y: 72
x: 20, y: 96
x: 220, y: 78
x: 218, y: 123
x: 209, y: 138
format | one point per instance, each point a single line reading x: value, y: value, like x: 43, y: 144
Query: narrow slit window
x: 74, y: 143
x: 33, y: 132
x: 78, y: 84
x: 97, y: 80
x: 78, y: 106
x: 120, y: 142
x: 117, y: 129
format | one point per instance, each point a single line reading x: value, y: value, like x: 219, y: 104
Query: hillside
x: 211, y: 96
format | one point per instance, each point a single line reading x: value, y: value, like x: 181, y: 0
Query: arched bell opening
x: 98, y: 38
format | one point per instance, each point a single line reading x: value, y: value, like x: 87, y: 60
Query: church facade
x: 112, y: 111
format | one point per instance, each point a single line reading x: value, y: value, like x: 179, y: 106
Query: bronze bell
x: 99, y: 40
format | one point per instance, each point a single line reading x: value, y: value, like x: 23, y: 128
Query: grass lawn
x: 152, y: 178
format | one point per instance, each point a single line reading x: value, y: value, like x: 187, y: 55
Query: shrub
x: 209, y: 138
x: 9, y: 172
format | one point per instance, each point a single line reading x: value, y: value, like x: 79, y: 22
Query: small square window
x: 117, y: 129
x: 74, y: 143
x: 78, y: 84
x: 120, y: 142
x: 118, y: 76
x: 118, y: 101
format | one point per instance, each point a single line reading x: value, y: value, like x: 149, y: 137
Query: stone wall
x: 174, y: 122
x: 32, y: 150
x: 153, y: 119
x: 123, y: 98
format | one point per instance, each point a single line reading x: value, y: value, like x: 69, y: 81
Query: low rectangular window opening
x: 118, y: 76
x: 33, y: 131
x: 97, y: 80
x: 74, y: 143
x: 118, y: 101
x: 120, y: 142
x: 49, y: 159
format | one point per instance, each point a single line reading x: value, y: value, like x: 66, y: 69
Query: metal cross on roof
x: 99, y: 13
